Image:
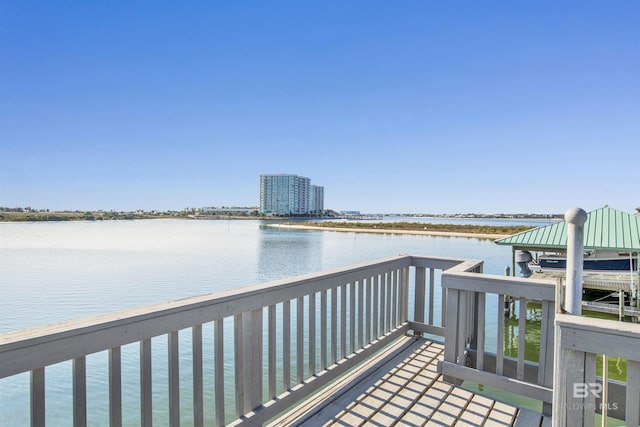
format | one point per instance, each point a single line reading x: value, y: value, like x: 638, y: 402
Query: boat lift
x: 605, y: 229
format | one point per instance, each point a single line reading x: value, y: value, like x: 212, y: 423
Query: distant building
x: 289, y: 195
x: 316, y: 201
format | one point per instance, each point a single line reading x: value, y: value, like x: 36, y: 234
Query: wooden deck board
x: 476, y: 412
x: 502, y: 414
x: 407, y: 390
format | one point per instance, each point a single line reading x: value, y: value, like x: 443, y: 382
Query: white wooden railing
x: 465, y: 356
x: 290, y: 337
x: 293, y: 336
x: 578, y: 394
x: 580, y: 339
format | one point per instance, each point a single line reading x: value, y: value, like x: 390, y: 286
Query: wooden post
x: 300, y: 340
x: 312, y: 334
x: 79, y: 391
x: 37, y: 398
x: 146, y: 391
x: 238, y: 346
x: 218, y: 351
x: 253, y: 359
x: 115, y: 387
x: 575, y: 219
x: 500, y: 340
x: 621, y: 305
x: 174, y: 379
x: 572, y: 367
x: 451, y: 333
x: 545, y: 369
x: 604, y: 405
x: 479, y: 326
x: 419, y: 296
x: 632, y: 417
x: 271, y: 351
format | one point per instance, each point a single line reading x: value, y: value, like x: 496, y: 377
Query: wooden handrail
x: 365, y: 304
x: 465, y: 357
x: 576, y: 390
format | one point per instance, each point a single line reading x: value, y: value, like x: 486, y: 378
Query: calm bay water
x: 58, y: 271
x: 50, y: 272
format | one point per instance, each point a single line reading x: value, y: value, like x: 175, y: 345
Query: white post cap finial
x: 576, y: 216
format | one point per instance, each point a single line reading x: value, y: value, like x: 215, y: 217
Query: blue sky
x: 411, y: 106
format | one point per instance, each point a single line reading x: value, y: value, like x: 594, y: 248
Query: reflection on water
x: 532, y: 332
x: 617, y: 366
x: 281, y: 253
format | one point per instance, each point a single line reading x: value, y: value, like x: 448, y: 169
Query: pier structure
x: 607, y: 231
x: 387, y: 342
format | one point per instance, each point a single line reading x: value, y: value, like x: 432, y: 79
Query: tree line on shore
x: 31, y: 214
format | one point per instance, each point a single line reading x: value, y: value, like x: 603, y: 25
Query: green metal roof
x: 606, y: 228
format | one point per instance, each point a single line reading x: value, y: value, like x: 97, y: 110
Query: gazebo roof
x: 605, y: 229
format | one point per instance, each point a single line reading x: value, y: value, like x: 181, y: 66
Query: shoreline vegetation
x: 401, y: 227
x: 112, y: 216
x: 21, y: 215
x: 76, y: 216
x: 419, y: 228
x: 31, y: 214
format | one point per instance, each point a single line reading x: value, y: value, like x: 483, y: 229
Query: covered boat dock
x: 606, y: 229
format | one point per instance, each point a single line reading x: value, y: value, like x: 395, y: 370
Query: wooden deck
x: 402, y: 387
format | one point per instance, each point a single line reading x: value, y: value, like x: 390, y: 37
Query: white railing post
x: 37, y: 398
x: 146, y: 392
x: 572, y: 367
x: 253, y: 358
x: 197, y: 367
x: 452, y: 331
x: 115, y: 387
x: 79, y: 391
x: 218, y: 354
x: 174, y: 379
x: 575, y: 219
x: 419, y: 295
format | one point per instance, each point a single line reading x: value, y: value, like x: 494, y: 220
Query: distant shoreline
x: 98, y: 216
x: 7, y: 215
x: 391, y: 231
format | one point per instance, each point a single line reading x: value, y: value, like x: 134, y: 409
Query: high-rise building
x: 285, y: 194
x: 316, y: 202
